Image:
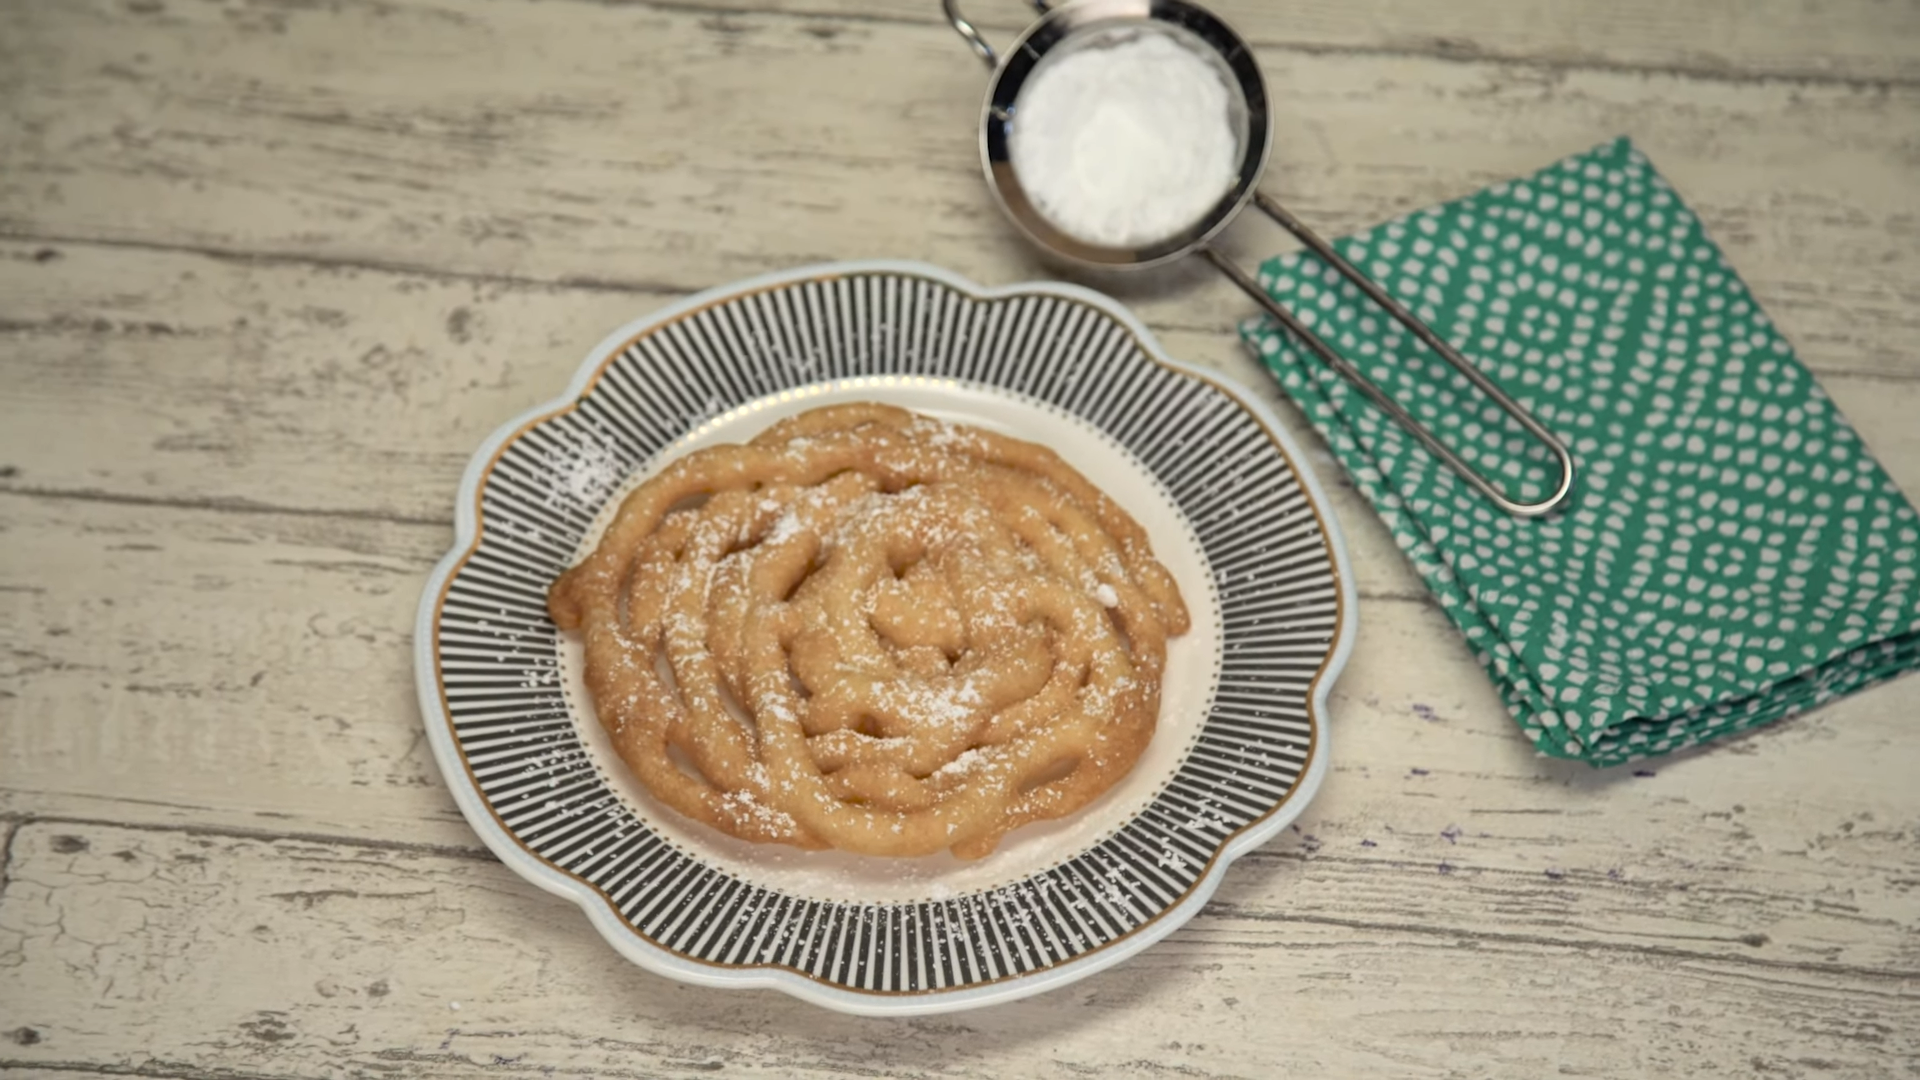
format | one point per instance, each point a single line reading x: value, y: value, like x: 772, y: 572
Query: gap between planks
x: 1444, y: 50
x: 663, y: 292
x: 157, y: 1070
x: 1214, y: 909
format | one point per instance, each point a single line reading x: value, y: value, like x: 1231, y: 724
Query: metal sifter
x: 1077, y: 23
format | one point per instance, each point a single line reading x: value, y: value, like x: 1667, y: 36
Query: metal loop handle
x: 974, y: 39
x: 1379, y: 397
x: 1339, y: 363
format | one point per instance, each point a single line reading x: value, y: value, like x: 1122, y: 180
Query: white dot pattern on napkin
x: 1731, y: 554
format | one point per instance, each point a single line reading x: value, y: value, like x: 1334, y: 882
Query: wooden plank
x: 300, y: 258
x: 291, y: 385
x: 148, y: 683
x: 446, y: 138
x: 1755, y: 39
x: 300, y: 959
x: 243, y: 668
x: 298, y: 387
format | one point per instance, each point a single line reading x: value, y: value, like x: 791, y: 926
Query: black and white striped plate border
x: 497, y: 715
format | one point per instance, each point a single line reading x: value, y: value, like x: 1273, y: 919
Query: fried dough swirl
x: 873, y: 631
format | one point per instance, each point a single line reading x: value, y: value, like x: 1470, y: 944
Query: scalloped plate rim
x: 629, y: 943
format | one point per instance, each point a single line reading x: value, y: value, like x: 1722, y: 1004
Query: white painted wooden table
x: 270, y: 269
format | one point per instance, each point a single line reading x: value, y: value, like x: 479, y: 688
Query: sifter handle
x: 974, y: 38
x: 1379, y: 397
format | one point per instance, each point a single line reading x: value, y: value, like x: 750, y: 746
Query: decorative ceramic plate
x: 1224, y: 494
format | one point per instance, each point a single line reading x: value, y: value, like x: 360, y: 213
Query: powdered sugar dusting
x: 838, y: 877
x: 586, y: 471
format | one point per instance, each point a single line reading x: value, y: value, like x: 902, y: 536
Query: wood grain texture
x: 211, y: 952
x: 272, y: 269
x: 450, y: 138
x: 1741, y: 40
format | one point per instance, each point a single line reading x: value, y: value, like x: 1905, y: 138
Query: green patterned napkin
x: 1731, y: 553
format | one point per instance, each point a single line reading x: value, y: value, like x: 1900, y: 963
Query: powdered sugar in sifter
x: 1098, y: 107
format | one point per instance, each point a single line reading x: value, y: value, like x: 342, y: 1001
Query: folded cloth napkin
x: 1731, y: 553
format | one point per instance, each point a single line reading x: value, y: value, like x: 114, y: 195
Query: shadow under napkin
x: 1731, y: 554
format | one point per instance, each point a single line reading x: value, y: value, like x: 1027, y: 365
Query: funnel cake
x: 873, y: 631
